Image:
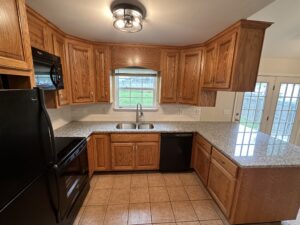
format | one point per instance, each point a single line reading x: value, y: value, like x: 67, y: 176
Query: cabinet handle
x: 92, y: 93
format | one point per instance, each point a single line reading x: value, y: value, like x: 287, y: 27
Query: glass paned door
x: 286, y: 111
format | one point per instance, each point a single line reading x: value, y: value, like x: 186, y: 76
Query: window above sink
x: 135, y: 85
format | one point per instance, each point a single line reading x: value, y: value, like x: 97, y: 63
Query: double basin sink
x: 140, y: 126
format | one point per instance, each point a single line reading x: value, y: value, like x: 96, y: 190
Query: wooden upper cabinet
x: 135, y: 55
x: 60, y: 49
x: 15, y: 51
x: 169, y: 75
x: 102, y: 73
x: 225, y: 53
x: 232, y: 57
x: 40, y: 33
x: 102, y: 153
x: 147, y: 156
x: 81, y: 72
x: 189, y: 81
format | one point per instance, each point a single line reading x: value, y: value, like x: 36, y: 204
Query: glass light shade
x: 128, y: 19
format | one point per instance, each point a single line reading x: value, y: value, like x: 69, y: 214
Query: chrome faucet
x: 139, y: 112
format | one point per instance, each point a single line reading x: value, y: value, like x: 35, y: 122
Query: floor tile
x: 211, y: 222
x: 93, y: 215
x: 156, y: 180
x: 158, y: 194
x: 183, y: 211
x: 139, y: 213
x: 119, y: 196
x: 104, y: 182
x: 139, y: 180
x: 162, y: 212
x: 139, y: 195
x: 189, y: 179
x: 196, y: 193
x: 85, y: 202
x: 99, y: 197
x: 78, y: 217
x: 177, y: 194
x: 116, y: 215
x: 205, y: 210
x: 172, y: 180
x: 122, y: 181
x: 189, y: 223
x: 93, y: 181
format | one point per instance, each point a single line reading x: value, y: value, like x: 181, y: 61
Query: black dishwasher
x: 175, y: 151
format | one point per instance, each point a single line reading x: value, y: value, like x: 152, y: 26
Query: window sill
x: 134, y: 109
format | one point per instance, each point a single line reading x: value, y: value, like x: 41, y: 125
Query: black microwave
x: 47, y: 70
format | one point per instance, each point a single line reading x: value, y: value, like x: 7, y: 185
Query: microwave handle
x: 58, y: 79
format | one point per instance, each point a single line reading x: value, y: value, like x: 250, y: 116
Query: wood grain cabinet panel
x: 81, y: 72
x: 60, y: 49
x: 221, y: 185
x: 102, y: 152
x: 102, y: 73
x: 122, y: 156
x: 209, y: 64
x: 90, y: 152
x: 147, y: 156
x: 190, y: 65
x: 15, y: 50
x: 169, y: 75
x: 202, y: 163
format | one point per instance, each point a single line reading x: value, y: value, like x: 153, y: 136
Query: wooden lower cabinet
x: 122, y: 156
x: 202, y: 163
x: 102, y: 156
x: 90, y: 153
x: 147, y: 156
x: 221, y: 185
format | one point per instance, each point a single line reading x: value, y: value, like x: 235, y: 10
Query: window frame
x: 116, y: 92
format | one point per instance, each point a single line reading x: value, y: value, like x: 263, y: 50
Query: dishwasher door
x: 175, y: 151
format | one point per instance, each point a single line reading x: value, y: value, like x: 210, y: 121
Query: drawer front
x: 205, y: 145
x: 226, y: 163
x: 134, y: 137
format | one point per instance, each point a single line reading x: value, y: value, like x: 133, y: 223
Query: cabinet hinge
x: 267, y: 118
x: 273, y: 87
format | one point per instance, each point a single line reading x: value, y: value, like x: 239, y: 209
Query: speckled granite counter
x: 244, y: 146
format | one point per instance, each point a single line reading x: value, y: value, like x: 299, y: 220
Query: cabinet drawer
x: 134, y: 137
x: 226, y: 163
x: 204, y: 144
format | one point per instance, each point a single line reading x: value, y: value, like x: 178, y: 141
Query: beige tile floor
x: 151, y: 198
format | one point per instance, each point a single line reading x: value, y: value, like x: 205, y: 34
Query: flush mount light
x: 128, y: 18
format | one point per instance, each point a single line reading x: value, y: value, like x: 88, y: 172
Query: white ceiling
x: 171, y: 22
x: 282, y: 39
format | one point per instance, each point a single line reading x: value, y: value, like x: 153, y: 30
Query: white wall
x: 60, y: 117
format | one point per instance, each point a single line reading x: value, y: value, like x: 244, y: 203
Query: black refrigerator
x: 26, y: 154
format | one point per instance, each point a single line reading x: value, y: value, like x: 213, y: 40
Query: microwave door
x: 42, y: 72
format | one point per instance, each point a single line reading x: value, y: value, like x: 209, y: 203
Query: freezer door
x: 25, y: 141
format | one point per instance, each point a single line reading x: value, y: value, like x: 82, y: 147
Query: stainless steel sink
x: 145, y: 126
x: 126, y: 126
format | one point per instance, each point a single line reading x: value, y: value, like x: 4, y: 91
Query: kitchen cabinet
x: 135, y: 151
x: 102, y: 154
x: 40, y: 32
x: 90, y: 153
x: 60, y: 49
x: 81, y: 72
x: 169, y: 75
x: 189, y: 81
x: 102, y: 73
x: 15, y: 51
x: 232, y: 57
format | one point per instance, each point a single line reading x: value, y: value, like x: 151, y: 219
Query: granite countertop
x: 246, y: 147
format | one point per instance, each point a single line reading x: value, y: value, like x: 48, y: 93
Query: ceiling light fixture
x: 128, y: 18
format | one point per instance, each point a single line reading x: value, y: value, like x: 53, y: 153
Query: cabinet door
x: 15, y: 50
x: 202, y: 163
x: 225, y: 56
x: 90, y: 152
x: 102, y: 156
x: 102, y: 66
x: 122, y: 156
x: 189, y: 76
x: 147, y: 156
x: 221, y: 185
x: 209, y: 65
x: 81, y: 73
x: 60, y: 49
x: 169, y: 71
